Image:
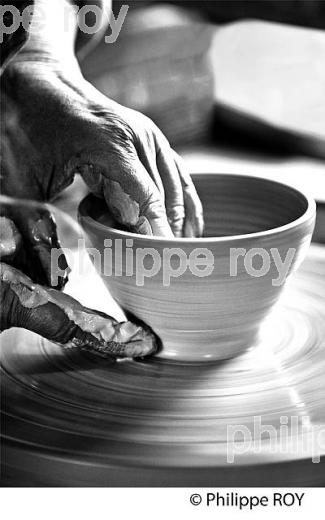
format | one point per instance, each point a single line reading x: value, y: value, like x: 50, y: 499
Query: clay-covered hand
x: 28, y: 234
x: 59, y: 318
x: 57, y: 124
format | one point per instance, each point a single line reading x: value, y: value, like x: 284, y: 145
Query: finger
x: 40, y: 239
x: 121, y: 339
x: 131, y: 195
x: 10, y: 240
x: 147, y: 155
x: 139, y: 343
x: 22, y: 305
x: 174, y: 200
x: 60, y: 318
x: 194, y: 221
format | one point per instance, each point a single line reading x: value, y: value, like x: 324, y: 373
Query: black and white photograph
x: 162, y: 242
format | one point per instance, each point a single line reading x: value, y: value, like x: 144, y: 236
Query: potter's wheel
x: 73, y: 419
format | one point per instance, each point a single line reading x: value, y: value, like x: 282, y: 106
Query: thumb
x: 131, y: 195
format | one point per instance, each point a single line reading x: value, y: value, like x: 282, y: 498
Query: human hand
x: 59, y: 318
x: 58, y: 125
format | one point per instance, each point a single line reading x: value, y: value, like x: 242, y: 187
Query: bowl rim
x: 308, y: 214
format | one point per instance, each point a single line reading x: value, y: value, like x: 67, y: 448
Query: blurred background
x: 237, y: 86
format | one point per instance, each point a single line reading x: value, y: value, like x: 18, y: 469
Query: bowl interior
x: 234, y: 205
x: 237, y: 205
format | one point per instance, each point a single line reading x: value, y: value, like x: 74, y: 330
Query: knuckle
x: 152, y: 205
x: 176, y: 214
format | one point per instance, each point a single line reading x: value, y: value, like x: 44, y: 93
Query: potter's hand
x: 60, y: 318
x: 66, y: 126
x: 27, y: 237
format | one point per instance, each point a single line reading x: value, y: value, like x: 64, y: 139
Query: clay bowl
x: 257, y: 232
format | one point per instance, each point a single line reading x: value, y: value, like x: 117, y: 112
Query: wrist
x: 52, y: 32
